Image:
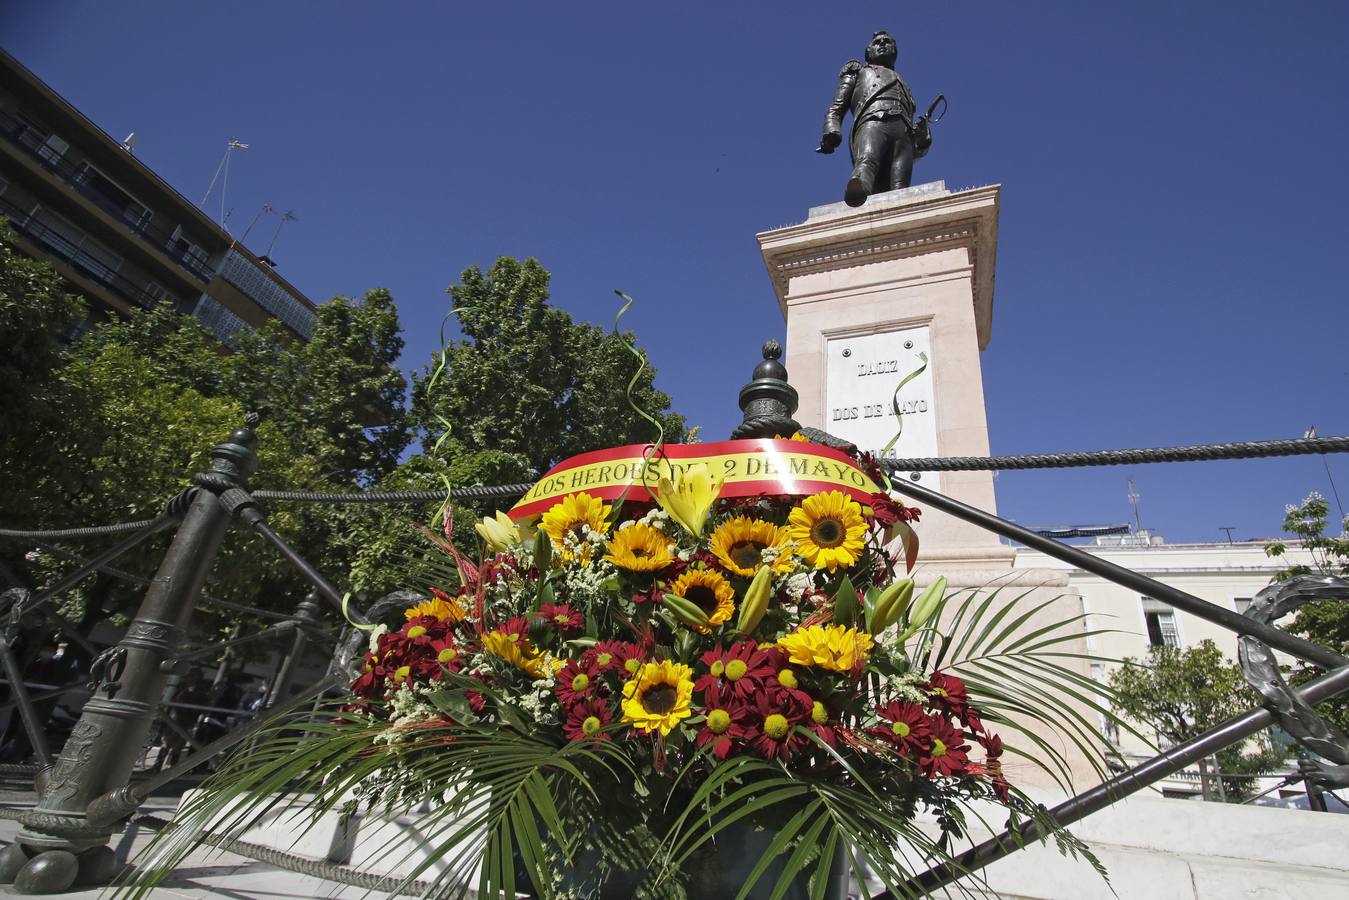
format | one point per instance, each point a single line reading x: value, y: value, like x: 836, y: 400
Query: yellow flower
x: 517, y: 651
x: 827, y: 646
x: 800, y: 437
x: 575, y: 514
x: 442, y: 608
x: 689, y: 496
x: 828, y: 530
x: 709, y: 591
x: 740, y: 542
x: 657, y: 698
x: 499, y: 533
x: 640, y: 548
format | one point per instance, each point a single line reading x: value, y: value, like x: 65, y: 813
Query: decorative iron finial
x: 768, y: 401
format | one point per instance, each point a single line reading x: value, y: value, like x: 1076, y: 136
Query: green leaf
x: 846, y: 605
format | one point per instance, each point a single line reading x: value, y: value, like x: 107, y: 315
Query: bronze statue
x: 885, y: 138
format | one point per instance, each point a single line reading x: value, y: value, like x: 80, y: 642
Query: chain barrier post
x: 306, y: 614
x: 59, y: 846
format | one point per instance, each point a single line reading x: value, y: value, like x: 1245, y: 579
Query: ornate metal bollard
x: 59, y: 846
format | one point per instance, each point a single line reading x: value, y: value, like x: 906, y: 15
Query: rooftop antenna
x: 1134, y: 497
x: 287, y: 216
x: 266, y: 209
x: 1229, y: 530
x: 223, y: 169
x: 1334, y: 491
x: 129, y: 143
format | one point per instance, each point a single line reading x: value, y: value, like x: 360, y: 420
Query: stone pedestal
x: 865, y: 291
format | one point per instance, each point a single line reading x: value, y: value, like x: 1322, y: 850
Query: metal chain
x: 1195, y: 453
x: 1192, y: 453
x: 479, y: 492
x: 304, y: 865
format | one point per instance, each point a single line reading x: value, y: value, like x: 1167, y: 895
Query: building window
x: 53, y: 149
x: 159, y: 293
x: 72, y: 243
x: 1161, y: 624
x: 132, y: 210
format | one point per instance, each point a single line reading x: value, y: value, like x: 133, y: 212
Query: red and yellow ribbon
x: 747, y: 468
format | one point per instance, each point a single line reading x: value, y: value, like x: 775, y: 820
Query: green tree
x: 1182, y: 694
x: 35, y: 311
x: 524, y: 387
x: 1324, y: 621
x: 527, y: 386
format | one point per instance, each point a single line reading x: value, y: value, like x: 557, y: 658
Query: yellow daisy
x: 657, y: 698
x: 574, y: 514
x: 710, y: 591
x: 441, y: 607
x: 640, y: 548
x: 827, y: 646
x: 828, y: 529
x: 740, y: 542
x: 517, y: 651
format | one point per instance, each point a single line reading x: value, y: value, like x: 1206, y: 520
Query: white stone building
x: 1227, y: 574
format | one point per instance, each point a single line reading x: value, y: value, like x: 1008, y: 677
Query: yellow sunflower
x: 442, y: 608
x: 657, y: 698
x: 640, y: 548
x: 517, y: 651
x: 574, y: 514
x: 740, y: 542
x: 828, y: 530
x: 711, y: 592
x: 827, y: 646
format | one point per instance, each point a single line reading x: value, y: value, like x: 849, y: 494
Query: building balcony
x: 87, y: 181
x: 59, y: 246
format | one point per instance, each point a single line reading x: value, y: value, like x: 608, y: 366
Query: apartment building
x: 120, y: 234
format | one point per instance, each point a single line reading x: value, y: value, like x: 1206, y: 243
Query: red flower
x: 910, y: 726
x: 585, y: 719
x: 949, y: 693
x: 946, y: 752
x: 447, y: 654
x: 726, y: 723
x: 516, y: 625
x: 560, y: 616
x: 578, y: 681
x: 775, y: 716
x: 888, y: 511
x: 824, y: 722
x: 742, y: 669
x: 613, y: 656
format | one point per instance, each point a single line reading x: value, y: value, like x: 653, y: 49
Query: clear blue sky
x: 1172, y: 265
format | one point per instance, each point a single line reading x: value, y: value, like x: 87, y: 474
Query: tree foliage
x: 1324, y: 621
x: 1182, y: 694
x: 35, y: 311
x: 526, y: 385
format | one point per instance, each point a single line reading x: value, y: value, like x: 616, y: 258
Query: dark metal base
x: 35, y: 871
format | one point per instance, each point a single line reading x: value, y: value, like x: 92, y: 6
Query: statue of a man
x: 885, y: 140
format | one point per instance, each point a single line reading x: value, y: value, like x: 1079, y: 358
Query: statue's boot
x: 861, y: 184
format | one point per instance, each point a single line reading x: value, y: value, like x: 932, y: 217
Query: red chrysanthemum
x: 726, y: 723
x: 560, y: 616
x: 824, y: 722
x: 949, y: 693
x: 910, y: 726
x: 610, y: 656
x: 946, y: 752
x: 585, y: 719
x: 888, y: 511
x: 774, y: 717
x: 742, y: 669
x: 578, y: 681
